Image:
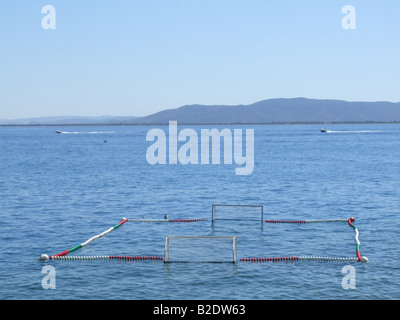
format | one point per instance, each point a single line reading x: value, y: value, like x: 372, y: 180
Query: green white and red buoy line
x: 45, y: 257
x: 359, y: 257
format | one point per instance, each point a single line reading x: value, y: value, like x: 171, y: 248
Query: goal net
x: 200, y: 249
x: 237, y: 212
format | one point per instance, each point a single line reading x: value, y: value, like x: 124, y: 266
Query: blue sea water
x: 59, y: 190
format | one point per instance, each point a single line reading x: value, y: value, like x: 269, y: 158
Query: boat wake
x: 352, y: 131
x: 80, y: 132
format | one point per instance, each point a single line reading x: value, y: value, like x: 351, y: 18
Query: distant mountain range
x: 295, y: 110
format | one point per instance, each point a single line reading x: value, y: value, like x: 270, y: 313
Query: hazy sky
x: 141, y: 56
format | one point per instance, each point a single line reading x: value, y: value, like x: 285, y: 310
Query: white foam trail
x: 92, y: 132
x: 353, y: 131
x: 100, y: 132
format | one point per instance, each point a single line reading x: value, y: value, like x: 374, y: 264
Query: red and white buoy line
x: 306, y: 221
x: 166, y: 220
x: 93, y: 258
x: 350, y: 221
x: 300, y: 258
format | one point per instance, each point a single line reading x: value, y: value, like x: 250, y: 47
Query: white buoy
x: 364, y: 259
x: 43, y: 257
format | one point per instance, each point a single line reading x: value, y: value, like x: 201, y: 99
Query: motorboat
x: 323, y: 130
x: 60, y: 131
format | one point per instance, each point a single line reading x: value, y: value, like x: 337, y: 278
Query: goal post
x: 244, y: 212
x: 200, y: 249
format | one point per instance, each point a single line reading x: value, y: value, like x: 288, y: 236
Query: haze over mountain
x: 267, y: 111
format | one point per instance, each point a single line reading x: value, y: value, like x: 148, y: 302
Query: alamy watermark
x: 349, y: 20
x: 349, y: 280
x: 191, y: 152
x: 49, y: 280
x: 49, y: 20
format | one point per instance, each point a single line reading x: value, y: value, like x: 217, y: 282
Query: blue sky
x: 134, y: 58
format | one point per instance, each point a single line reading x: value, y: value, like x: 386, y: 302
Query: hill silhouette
x: 281, y: 111
x: 292, y: 110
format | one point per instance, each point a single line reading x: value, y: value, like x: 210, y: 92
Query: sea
x: 57, y: 190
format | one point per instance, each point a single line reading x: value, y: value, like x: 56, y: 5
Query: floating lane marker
x: 95, y: 258
x: 312, y: 258
x: 302, y: 258
x: 45, y: 257
x: 63, y: 255
x: 359, y: 257
x: 166, y: 220
x: 306, y: 221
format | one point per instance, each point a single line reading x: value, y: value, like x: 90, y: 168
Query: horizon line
x: 194, y: 104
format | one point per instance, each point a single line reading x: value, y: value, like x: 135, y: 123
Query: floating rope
x: 313, y: 258
x: 166, y: 220
x: 302, y: 258
x: 46, y: 257
x: 91, y: 239
x: 363, y: 259
x: 93, y: 258
x: 63, y: 255
x: 305, y: 221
